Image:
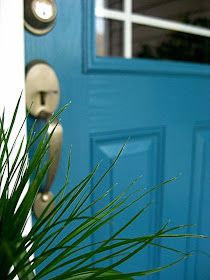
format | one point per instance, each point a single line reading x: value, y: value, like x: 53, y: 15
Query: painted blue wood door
x: 164, y: 107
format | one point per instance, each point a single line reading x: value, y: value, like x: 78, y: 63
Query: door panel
x: 144, y: 155
x: 200, y: 198
x: 163, y: 107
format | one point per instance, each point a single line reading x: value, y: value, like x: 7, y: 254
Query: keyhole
x: 42, y: 97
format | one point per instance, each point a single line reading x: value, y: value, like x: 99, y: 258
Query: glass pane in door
x: 110, y: 4
x: 150, y: 42
x: 195, y: 12
x: 109, y: 37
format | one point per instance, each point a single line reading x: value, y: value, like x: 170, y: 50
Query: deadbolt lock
x: 42, y: 89
x: 39, y: 15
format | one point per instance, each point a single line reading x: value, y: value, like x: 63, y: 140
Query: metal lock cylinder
x: 39, y: 15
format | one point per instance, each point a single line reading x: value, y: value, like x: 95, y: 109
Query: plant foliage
x: 18, y: 253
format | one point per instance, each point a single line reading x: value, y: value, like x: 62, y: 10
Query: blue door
x: 138, y: 70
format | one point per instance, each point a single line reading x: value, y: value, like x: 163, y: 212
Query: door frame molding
x: 12, y: 68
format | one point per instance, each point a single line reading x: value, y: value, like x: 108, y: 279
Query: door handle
x: 54, y: 152
x: 42, y: 98
x: 44, y: 197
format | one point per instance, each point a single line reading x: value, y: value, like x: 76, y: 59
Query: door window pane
x: 109, y: 37
x: 157, y: 29
x: 110, y: 4
x: 195, y: 12
x: 149, y: 42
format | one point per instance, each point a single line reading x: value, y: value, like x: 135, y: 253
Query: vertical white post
x: 11, y: 53
x: 12, y: 66
x: 128, y: 29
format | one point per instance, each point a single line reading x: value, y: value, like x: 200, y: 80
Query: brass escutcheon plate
x: 42, y: 89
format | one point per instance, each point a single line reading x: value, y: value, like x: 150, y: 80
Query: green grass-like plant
x: 78, y: 260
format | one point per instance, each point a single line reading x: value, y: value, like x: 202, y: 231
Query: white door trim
x: 12, y: 63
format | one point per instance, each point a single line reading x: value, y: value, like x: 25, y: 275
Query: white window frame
x: 129, y: 18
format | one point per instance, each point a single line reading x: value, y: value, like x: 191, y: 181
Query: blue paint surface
x: 164, y: 107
